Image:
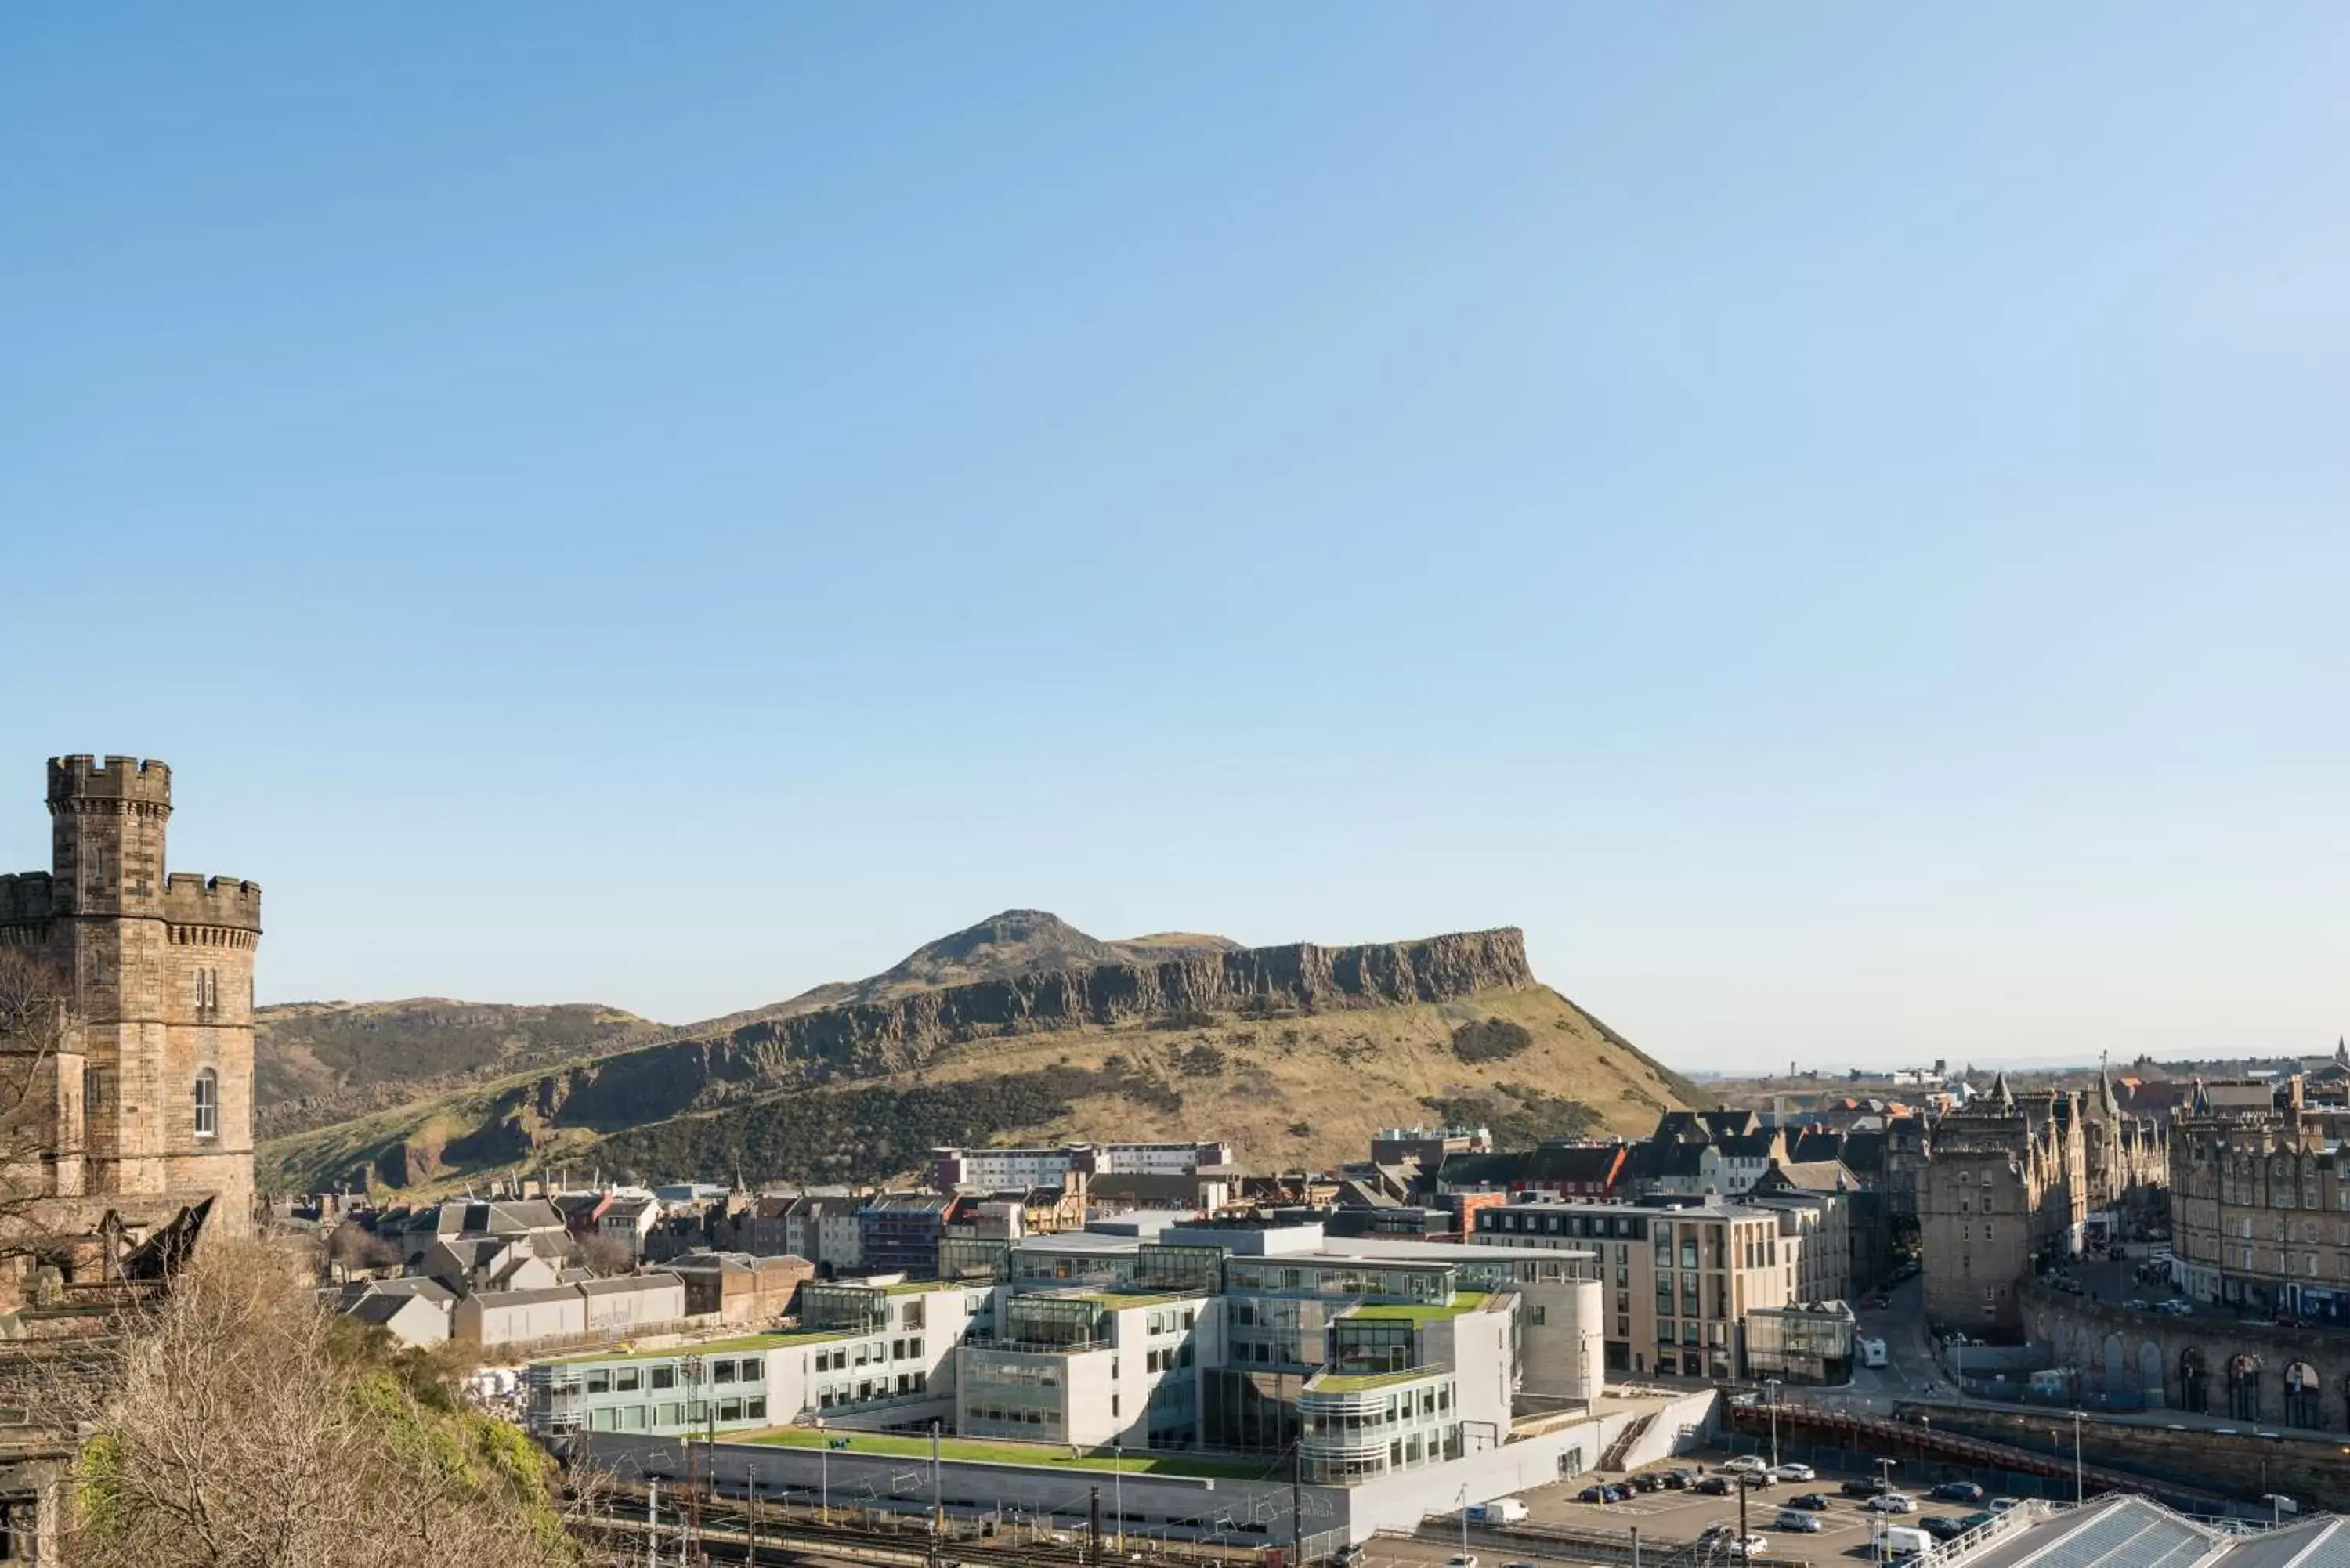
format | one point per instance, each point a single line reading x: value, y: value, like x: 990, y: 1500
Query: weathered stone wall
x: 2245, y: 1371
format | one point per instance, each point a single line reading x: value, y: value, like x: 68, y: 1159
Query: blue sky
x: 1837, y: 521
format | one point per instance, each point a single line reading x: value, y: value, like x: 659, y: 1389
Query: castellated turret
x: 152, y: 1099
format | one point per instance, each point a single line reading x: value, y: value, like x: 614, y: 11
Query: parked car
x: 2001, y: 1504
x: 1500, y: 1511
x: 1714, y: 1486
x: 1868, y: 1486
x: 1617, y: 1492
x: 1753, y: 1546
x: 1753, y: 1477
x: 1801, y: 1523
x: 1891, y: 1502
x: 1811, y: 1501
x: 2138, y: 1306
x: 1957, y: 1492
x: 2176, y: 1308
x: 1901, y: 1541
x: 1942, y: 1527
x: 1592, y: 1494
x: 1977, y: 1520
x: 1744, y: 1463
x: 1793, y: 1473
x: 1679, y: 1479
x: 1461, y: 1560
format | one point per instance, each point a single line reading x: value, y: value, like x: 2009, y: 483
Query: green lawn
x: 754, y: 1342
x: 1462, y: 1301
x: 979, y: 1451
x: 1356, y: 1382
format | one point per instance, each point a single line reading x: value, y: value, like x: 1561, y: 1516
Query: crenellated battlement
x: 27, y: 896
x: 81, y: 777
x: 193, y: 901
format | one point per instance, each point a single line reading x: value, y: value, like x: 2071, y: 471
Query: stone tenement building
x: 2261, y: 1208
x: 149, y: 1105
x: 2012, y: 1178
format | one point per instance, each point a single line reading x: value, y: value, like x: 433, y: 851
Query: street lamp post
x: 2077, y: 1419
x: 1771, y: 1385
x: 1117, y: 1494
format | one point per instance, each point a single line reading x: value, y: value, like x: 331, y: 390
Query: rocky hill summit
x: 1022, y: 1020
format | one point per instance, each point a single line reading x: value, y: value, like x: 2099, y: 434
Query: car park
x: 1679, y: 1479
x: 1811, y: 1501
x: 1793, y: 1473
x: 1648, y: 1480
x: 1801, y: 1523
x: 1891, y: 1502
x: 1957, y: 1492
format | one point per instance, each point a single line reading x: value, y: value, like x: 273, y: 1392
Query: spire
x: 2105, y: 1101
x: 1999, y: 1092
x: 2341, y: 1052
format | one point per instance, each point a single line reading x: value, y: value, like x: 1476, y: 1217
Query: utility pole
x: 1773, y: 1386
x: 2077, y: 1419
x: 938, y: 1508
x: 652, y: 1521
x: 1636, y: 1546
x: 1297, y: 1506
x: 824, y: 1481
x: 750, y: 1520
x: 1117, y: 1495
x: 1093, y: 1526
x: 1742, y: 1489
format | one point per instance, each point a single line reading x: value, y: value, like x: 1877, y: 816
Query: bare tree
x: 40, y: 1127
x: 606, y: 1256
x: 351, y: 1248
x: 238, y: 1425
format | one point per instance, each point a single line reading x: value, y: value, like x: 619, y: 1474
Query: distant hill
x: 318, y: 1062
x: 1022, y: 1025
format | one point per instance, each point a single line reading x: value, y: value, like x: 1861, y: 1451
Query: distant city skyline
x: 1834, y: 523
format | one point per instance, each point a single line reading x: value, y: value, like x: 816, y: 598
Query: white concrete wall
x: 1565, y: 1355
x: 1224, y: 1508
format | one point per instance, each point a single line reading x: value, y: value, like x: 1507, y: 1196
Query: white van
x: 1872, y: 1353
x: 1501, y: 1510
x: 1901, y: 1541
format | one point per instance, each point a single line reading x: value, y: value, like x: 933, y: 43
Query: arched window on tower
x: 207, y: 1102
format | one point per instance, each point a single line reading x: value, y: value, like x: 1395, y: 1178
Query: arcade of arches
x: 2249, y: 1373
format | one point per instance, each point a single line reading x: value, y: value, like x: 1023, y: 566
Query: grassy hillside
x: 307, y: 1049
x: 1287, y: 1089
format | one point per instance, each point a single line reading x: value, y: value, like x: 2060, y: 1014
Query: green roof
x: 976, y: 1450
x: 1356, y: 1382
x: 753, y: 1342
x: 1118, y: 1299
x: 1462, y: 1302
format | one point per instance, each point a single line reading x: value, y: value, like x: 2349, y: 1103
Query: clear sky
x: 1836, y: 519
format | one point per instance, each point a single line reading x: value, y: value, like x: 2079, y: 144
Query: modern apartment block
x: 1006, y: 1169
x: 1371, y: 1354
x: 859, y: 1346
x: 1680, y: 1279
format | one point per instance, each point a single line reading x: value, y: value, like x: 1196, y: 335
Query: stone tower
x: 153, y: 1096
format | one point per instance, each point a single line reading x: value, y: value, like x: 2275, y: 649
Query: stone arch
x: 2121, y: 1379
x: 2194, y: 1381
x: 2303, y: 1396
x: 2149, y: 1373
x: 2244, y: 1387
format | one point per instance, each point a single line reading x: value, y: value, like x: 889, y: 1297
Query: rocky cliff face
x: 861, y: 1040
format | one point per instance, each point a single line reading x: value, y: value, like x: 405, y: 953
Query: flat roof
x: 1462, y: 1302
x: 1356, y: 1382
x: 750, y: 1342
